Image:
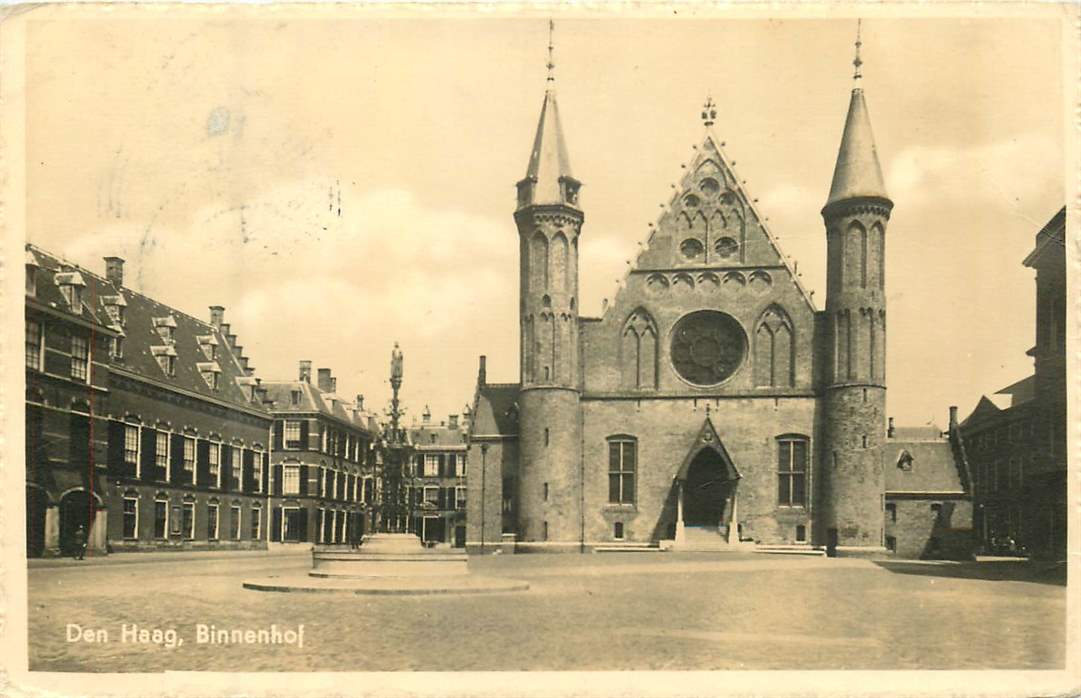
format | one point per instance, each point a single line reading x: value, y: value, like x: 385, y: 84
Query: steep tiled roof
x: 421, y: 436
x: 985, y: 409
x: 496, y: 412
x: 142, y: 341
x: 921, y: 465
x: 280, y: 396
x: 927, y: 432
x: 1021, y: 391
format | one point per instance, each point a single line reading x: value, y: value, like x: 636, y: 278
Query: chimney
x: 427, y: 416
x: 231, y: 338
x: 306, y: 371
x: 889, y: 428
x: 953, y: 417
x: 482, y: 374
x: 452, y: 421
x: 114, y: 270
x: 360, y: 403
x: 217, y: 312
x: 323, y: 381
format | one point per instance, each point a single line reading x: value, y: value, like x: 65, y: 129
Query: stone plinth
x: 388, y: 555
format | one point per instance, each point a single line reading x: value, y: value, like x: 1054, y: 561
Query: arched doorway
x: 707, y: 489
x: 77, y: 508
x: 37, y: 503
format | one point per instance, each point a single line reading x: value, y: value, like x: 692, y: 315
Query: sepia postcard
x: 542, y: 349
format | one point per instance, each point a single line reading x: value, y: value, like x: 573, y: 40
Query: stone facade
x: 711, y: 393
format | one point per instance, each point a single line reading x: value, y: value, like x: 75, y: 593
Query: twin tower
x: 850, y: 344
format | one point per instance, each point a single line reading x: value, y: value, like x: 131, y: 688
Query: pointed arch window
x: 538, y: 268
x: 774, y: 355
x: 639, y: 351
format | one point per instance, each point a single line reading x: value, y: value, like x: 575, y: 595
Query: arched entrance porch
x: 78, y: 507
x: 706, y: 494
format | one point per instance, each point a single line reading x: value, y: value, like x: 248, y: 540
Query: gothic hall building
x: 711, y: 405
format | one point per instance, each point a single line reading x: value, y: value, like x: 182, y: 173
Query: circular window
x: 710, y: 186
x: 726, y: 247
x: 691, y: 248
x: 707, y: 347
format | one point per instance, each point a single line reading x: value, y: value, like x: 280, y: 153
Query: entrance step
x: 796, y: 549
x: 634, y: 548
x: 708, y: 540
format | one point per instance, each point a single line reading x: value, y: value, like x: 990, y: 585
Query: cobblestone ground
x: 618, y: 611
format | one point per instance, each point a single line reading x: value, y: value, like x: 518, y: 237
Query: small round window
x: 691, y: 248
x: 690, y: 201
x: 709, y: 186
x: 726, y: 247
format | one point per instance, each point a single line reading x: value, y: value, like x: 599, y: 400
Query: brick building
x: 67, y: 387
x: 1018, y: 451
x: 184, y: 432
x: 438, y: 479
x: 711, y: 403
x: 324, y: 474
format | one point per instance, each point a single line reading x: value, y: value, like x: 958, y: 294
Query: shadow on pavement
x: 999, y: 571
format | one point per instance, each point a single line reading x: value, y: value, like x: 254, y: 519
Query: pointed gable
x: 707, y: 438
x: 712, y: 223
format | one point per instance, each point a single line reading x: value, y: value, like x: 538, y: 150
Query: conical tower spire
x: 858, y: 173
x: 548, y: 178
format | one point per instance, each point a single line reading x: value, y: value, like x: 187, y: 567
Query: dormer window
x: 71, y: 287
x: 114, y: 308
x: 525, y: 192
x: 294, y: 397
x: 905, y: 460
x: 117, y: 348
x: 211, y: 373
x: 166, y: 328
x: 570, y: 190
x: 31, y: 277
x: 166, y: 358
x: 209, y: 345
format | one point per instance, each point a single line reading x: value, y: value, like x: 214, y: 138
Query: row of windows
x: 332, y: 441
x: 178, y: 520
x: 1016, y: 432
x: 332, y: 484
x: 1002, y: 475
x: 439, y: 465
x: 35, y: 351
x: 162, y: 452
x: 793, y: 455
x: 439, y: 497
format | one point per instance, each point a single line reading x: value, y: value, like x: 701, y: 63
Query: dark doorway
x: 77, y: 508
x: 37, y: 503
x: 706, y: 490
x: 296, y: 521
x: 459, y: 536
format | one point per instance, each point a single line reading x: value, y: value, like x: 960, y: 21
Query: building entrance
x: 77, y: 508
x: 707, y: 490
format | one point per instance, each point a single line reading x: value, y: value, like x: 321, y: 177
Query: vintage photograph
x: 381, y: 339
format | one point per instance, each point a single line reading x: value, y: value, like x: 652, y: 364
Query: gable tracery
x: 774, y: 349
x: 638, y: 351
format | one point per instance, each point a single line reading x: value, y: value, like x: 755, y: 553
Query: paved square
x: 605, y: 611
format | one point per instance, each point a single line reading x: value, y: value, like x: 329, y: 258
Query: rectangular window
x: 213, y: 464
x: 292, y: 434
x: 257, y: 470
x: 212, y: 521
x: 161, y: 449
x: 622, y: 465
x: 189, y: 454
x: 431, y: 496
x: 792, y: 472
x: 459, y: 498
x: 131, y: 445
x: 80, y: 358
x: 256, y: 522
x: 459, y: 466
x: 891, y: 511
x: 188, y: 523
x: 131, y: 517
x: 234, y: 522
x: 369, y: 490
x: 291, y: 479
x: 431, y: 465
x: 161, y: 518
x: 33, y: 345
x: 236, y: 468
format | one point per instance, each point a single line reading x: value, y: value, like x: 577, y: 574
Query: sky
x: 339, y: 185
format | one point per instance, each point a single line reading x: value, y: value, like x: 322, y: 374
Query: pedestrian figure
x: 80, y: 542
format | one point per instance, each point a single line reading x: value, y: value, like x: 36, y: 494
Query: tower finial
x: 551, y: 49
x: 709, y: 112
x: 857, y: 62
